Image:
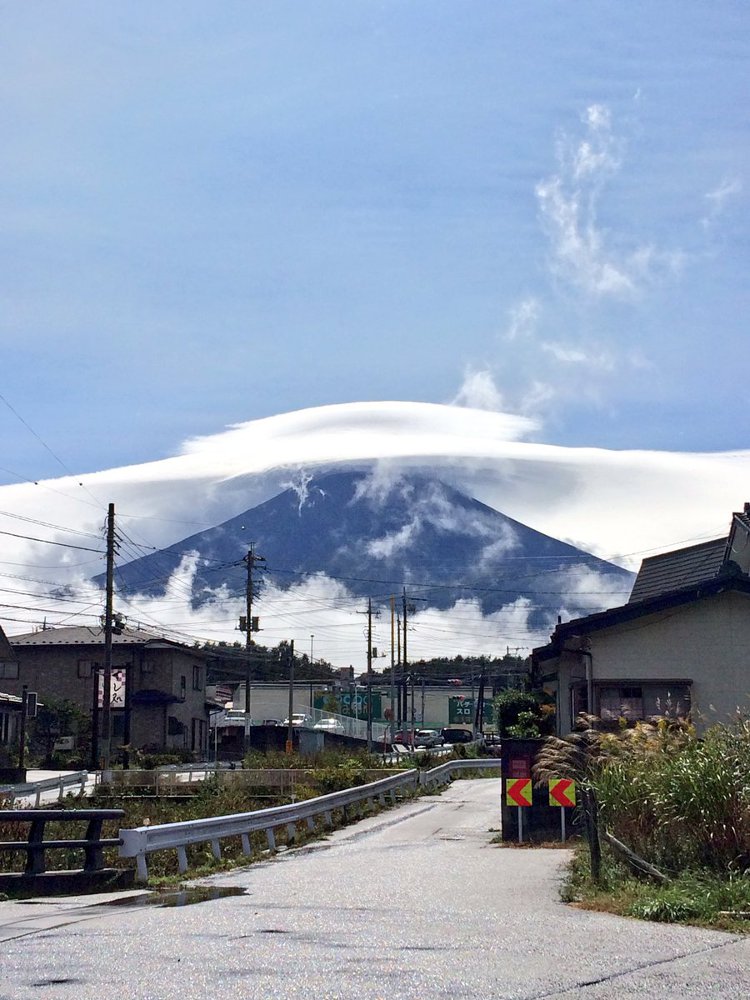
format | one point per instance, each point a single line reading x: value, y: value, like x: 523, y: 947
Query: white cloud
x: 478, y: 390
x: 397, y: 541
x: 538, y: 396
x: 377, y: 485
x: 585, y: 588
x: 495, y: 551
x: 466, y: 630
x: 299, y: 484
x: 523, y: 319
x: 569, y: 355
x: 582, y: 254
x: 718, y: 198
x: 591, y: 494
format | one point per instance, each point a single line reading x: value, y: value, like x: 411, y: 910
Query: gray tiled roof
x: 677, y: 570
x: 6, y: 651
x: 83, y: 635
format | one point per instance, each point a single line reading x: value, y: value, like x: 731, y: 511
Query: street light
x: 312, y: 640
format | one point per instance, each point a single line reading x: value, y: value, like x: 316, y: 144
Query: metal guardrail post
x: 139, y: 842
x: 35, y: 845
x: 35, y: 850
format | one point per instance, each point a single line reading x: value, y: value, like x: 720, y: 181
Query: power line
x: 47, y: 541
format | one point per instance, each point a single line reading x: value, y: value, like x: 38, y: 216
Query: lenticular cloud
x: 612, y: 503
x: 620, y: 505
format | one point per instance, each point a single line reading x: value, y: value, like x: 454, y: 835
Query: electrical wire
x: 47, y: 541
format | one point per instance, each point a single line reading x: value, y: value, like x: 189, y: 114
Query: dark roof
x: 679, y: 569
x: 697, y: 563
x: 632, y: 610
x: 83, y: 635
x: 6, y: 651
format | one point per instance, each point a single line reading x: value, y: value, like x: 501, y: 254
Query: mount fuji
x: 377, y: 535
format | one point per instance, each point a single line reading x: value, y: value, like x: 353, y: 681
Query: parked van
x: 457, y: 734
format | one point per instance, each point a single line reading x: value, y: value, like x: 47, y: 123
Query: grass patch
x: 699, y: 897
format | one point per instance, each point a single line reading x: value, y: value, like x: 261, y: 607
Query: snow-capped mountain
x: 377, y: 535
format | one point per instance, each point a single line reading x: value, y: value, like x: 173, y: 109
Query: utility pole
x: 400, y: 683
x: 368, y: 681
x: 290, y: 729
x: 479, y: 707
x: 473, y: 708
x: 404, y: 660
x: 393, y: 670
x: 369, y: 675
x: 406, y: 608
x: 105, y: 734
x: 22, y: 730
x: 251, y: 559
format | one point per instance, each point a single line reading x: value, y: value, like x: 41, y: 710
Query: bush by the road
x: 681, y: 803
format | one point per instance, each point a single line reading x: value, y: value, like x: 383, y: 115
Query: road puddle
x: 180, y: 897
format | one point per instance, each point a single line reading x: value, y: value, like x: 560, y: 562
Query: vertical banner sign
x: 518, y: 793
x: 116, y: 688
x: 562, y: 793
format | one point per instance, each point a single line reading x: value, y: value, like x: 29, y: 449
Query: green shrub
x: 677, y: 800
x: 523, y: 715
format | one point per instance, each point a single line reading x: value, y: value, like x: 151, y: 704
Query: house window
x: 198, y: 735
x: 645, y: 701
x: 85, y: 668
x: 175, y: 727
x: 183, y: 687
x: 147, y: 666
x: 9, y: 670
x: 197, y: 679
x: 620, y: 703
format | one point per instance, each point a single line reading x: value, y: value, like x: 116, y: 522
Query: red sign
x: 519, y: 767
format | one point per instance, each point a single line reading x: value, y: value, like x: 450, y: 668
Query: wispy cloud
x: 479, y: 391
x: 572, y: 355
x: 583, y: 254
x: 523, y: 319
x: 718, y: 198
x: 299, y: 484
x: 396, y: 541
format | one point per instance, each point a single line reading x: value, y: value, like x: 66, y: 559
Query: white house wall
x: 707, y: 642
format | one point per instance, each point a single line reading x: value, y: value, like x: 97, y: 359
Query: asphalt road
x: 414, y: 904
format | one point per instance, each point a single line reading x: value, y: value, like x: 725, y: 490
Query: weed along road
x: 413, y: 903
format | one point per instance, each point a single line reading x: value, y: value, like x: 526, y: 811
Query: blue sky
x: 213, y: 213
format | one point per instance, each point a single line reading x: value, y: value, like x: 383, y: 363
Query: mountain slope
x: 377, y: 536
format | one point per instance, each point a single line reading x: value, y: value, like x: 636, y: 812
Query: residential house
x: 158, y: 691
x: 10, y: 705
x: 680, y: 645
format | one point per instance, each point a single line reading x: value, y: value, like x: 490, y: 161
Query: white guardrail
x: 62, y: 784
x: 144, y: 840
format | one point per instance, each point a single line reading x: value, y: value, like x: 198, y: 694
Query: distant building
x: 158, y: 691
x: 678, y: 647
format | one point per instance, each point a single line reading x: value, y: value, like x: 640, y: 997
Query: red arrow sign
x: 562, y: 792
x: 518, y: 792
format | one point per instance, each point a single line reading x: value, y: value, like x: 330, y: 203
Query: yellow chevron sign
x: 518, y: 791
x: 562, y: 792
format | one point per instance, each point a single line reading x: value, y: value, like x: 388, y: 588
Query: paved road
x: 413, y: 904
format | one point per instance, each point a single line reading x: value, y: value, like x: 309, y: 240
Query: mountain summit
x: 377, y: 535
